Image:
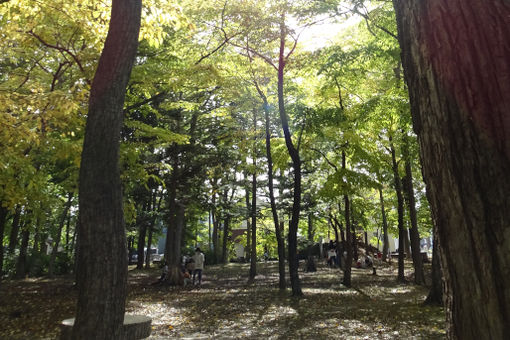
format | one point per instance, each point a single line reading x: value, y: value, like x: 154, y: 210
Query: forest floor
x: 227, y: 307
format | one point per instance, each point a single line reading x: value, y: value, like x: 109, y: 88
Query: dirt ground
x: 227, y: 307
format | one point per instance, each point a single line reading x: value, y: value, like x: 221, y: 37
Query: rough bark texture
x: 456, y: 57
x: 102, y: 257
x: 400, y: 209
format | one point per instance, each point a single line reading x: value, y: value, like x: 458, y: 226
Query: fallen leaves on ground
x: 226, y: 306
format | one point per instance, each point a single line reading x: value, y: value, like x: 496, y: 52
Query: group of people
x: 191, y: 269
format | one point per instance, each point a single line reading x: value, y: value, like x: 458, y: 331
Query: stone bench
x: 135, y: 327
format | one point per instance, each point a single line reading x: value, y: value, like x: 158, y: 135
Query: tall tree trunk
x: 58, y: 235
x: 248, y: 225
x: 355, y: 250
x: 102, y: 258
x: 253, y: 258
x: 270, y: 178
x: 419, y: 275
x: 174, y: 242
x: 21, y: 264
x: 456, y: 57
x: 310, y: 262
x: 226, y: 227
x: 435, y: 296
x: 215, y: 226
x: 407, y: 243
x: 296, y: 164
x: 142, y: 233
x: 3, y: 219
x: 400, y: 209
x: 16, y: 222
x: 386, y: 242
x: 348, y: 234
x: 281, y: 255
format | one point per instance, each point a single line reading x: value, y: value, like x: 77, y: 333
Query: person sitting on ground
x: 164, y: 274
x: 199, y: 259
x: 190, y: 265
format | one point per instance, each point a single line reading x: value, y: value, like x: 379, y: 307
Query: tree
x: 456, y: 63
x: 102, y: 255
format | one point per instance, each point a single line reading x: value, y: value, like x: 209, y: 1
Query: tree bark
x: 435, y: 296
x: 272, y: 200
x: 348, y: 235
x: 58, y: 235
x: 386, y: 241
x: 296, y: 164
x: 102, y: 258
x: 253, y: 213
x: 16, y: 222
x: 21, y: 264
x: 419, y: 275
x: 400, y: 209
x: 456, y: 57
x: 3, y: 219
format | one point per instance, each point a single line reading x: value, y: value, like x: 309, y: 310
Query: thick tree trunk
x: 296, y: 164
x: 400, y: 209
x: 386, y: 242
x: 456, y: 57
x: 419, y: 275
x: 16, y: 222
x: 174, y: 242
x: 102, y: 258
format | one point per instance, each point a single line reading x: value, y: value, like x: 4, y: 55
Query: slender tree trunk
x: 270, y: 177
x: 355, y: 251
x: 58, y: 235
x: 148, y: 258
x: 407, y: 243
x: 310, y: 262
x: 419, y: 275
x: 21, y: 264
x: 226, y: 227
x: 348, y: 234
x: 386, y: 242
x: 400, y: 208
x: 296, y: 164
x: 102, y: 258
x: 248, y: 226
x: 3, y: 220
x: 142, y: 233
x: 435, y: 296
x: 253, y: 259
x: 456, y: 57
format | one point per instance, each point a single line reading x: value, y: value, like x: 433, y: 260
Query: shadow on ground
x: 227, y: 307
